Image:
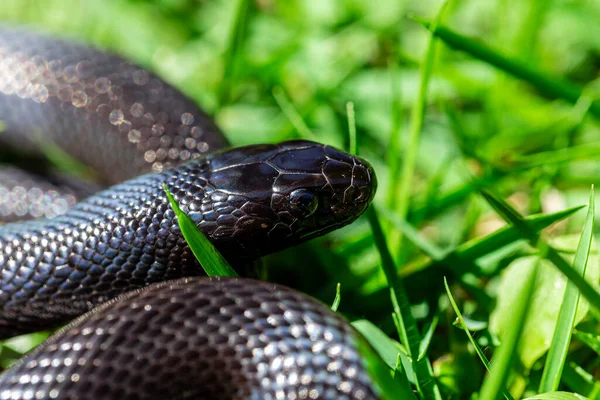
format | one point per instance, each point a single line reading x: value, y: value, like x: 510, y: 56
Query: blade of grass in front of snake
x: 209, y: 257
x: 561, y: 340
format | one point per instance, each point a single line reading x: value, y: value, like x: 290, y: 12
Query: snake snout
x: 364, y: 183
x: 354, y: 184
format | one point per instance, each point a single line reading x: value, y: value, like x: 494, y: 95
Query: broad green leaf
x: 547, y: 299
x: 14, y: 348
x: 392, y: 387
x: 557, y: 396
x: 509, y: 214
x: 209, y: 257
x: 387, y: 348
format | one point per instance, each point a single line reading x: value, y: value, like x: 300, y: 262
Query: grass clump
x: 483, y: 148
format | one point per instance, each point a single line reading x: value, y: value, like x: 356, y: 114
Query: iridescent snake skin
x: 157, y: 329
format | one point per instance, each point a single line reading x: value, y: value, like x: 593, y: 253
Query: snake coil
x: 155, y: 329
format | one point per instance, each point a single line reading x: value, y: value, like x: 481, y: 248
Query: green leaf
x: 237, y: 37
x: 14, y: 348
x: 509, y: 214
x: 548, y: 296
x: 464, y: 255
x: 494, y: 383
x: 427, y: 337
x: 463, y: 325
x: 209, y: 257
x: 550, y: 86
x: 590, y: 339
x: 411, y: 150
x: 479, y: 247
x: 386, y: 347
x: 413, y: 235
x: 338, y: 297
x: 557, y: 354
x: 292, y: 114
x: 63, y: 160
x: 352, y: 142
x: 375, y: 347
x: 557, y: 396
x: 408, y: 330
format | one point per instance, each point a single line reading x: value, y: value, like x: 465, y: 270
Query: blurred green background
x: 268, y: 70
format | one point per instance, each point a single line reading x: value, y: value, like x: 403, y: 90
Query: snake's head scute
x: 263, y: 198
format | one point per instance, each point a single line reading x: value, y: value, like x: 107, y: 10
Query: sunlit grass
x: 490, y: 158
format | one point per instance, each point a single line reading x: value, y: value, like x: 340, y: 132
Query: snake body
x: 189, y: 338
x: 198, y: 339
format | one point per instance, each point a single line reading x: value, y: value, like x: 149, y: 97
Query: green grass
x: 485, y: 147
x: 212, y: 261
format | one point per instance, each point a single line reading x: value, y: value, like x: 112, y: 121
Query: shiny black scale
x: 193, y: 338
x: 199, y: 338
x: 127, y: 237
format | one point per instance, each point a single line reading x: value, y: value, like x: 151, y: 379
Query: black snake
x: 166, y: 333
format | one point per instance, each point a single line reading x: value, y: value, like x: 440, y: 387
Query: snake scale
x: 157, y: 329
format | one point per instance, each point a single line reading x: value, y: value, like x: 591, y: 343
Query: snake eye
x: 303, y: 201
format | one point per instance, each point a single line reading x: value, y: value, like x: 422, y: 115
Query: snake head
x: 258, y: 199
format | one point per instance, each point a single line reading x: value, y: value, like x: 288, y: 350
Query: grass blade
x: 511, y: 215
x: 413, y: 235
x: 338, y: 297
x: 479, y: 247
x: 381, y: 356
x: 393, y: 150
x: 465, y: 254
x: 463, y: 324
x: 209, y: 257
x: 408, y: 332
x: 494, y: 384
x: 292, y: 114
x: 353, y: 144
x: 557, y: 354
x: 591, y: 340
x: 427, y: 337
x: 235, y: 46
x: 416, y: 125
x: 556, y: 396
x: 63, y: 160
x: 550, y: 86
